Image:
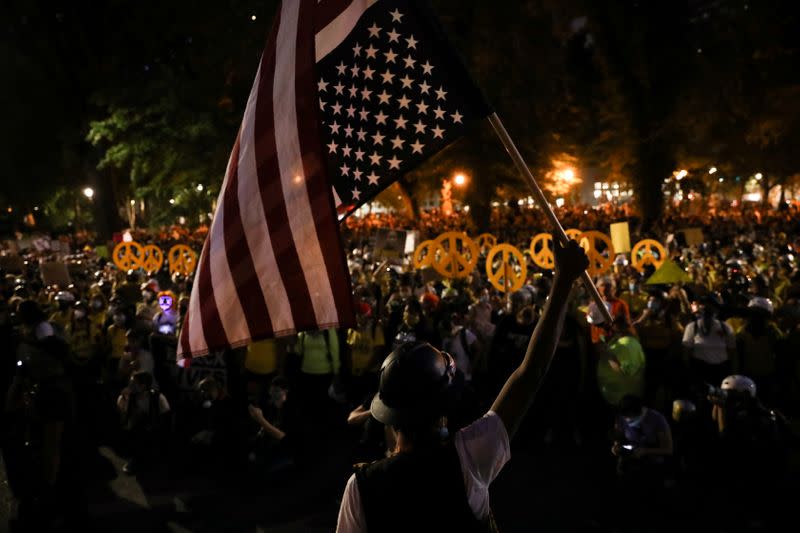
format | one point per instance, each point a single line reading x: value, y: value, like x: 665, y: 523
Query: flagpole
x: 511, y: 148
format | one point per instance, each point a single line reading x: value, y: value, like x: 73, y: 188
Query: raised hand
x: 571, y: 261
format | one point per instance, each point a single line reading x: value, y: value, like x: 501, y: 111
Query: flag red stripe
x: 209, y: 314
x: 319, y: 192
x: 326, y: 12
x: 272, y: 197
x: 243, y: 271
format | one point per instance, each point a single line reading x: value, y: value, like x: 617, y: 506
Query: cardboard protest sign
x: 693, y: 236
x: 621, y: 237
x: 55, y: 273
x: 390, y: 245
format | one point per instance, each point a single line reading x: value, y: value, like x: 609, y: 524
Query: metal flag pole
x: 545, y: 205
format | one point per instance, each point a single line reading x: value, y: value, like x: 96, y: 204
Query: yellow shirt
x: 118, y: 341
x: 362, y: 345
x: 262, y: 357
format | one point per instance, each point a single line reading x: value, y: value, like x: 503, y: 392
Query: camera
x: 717, y: 395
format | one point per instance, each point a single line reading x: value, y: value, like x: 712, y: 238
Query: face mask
x: 80, y: 314
x: 207, y: 404
x: 97, y: 305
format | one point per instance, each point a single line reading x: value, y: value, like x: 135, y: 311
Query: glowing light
x: 200, y: 187
x: 466, y: 209
x: 172, y: 201
x: 133, y: 202
x: 88, y: 192
x: 759, y: 175
x: 520, y: 202
x: 127, y: 237
x: 559, y: 202
x: 721, y: 180
x: 598, y: 193
x: 460, y: 179
x: 681, y: 174
x: 253, y: 18
x: 752, y: 197
x: 712, y: 170
x: 36, y: 208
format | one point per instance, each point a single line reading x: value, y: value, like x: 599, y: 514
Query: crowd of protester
x: 693, y: 383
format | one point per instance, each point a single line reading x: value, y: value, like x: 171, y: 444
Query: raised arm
x: 517, y: 394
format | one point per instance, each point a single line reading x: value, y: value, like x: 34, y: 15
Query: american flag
x: 348, y: 96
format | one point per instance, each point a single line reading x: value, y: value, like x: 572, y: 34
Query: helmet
x: 65, y: 296
x: 682, y: 409
x: 418, y: 384
x: 739, y: 383
x: 761, y: 304
x: 150, y: 285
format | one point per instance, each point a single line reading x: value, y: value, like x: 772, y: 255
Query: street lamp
x: 199, y: 187
x: 460, y: 180
x: 88, y: 192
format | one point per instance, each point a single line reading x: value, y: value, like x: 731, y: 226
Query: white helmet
x: 762, y: 304
x: 65, y: 296
x: 739, y: 383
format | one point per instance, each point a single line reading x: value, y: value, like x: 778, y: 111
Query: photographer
x: 749, y: 439
x: 643, y: 440
x: 143, y: 413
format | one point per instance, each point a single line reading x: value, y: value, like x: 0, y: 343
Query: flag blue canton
x: 390, y: 96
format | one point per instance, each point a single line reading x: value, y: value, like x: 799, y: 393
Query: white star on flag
x: 390, y: 56
x: 357, y: 175
x: 427, y: 68
x: 412, y: 43
x: 407, y: 82
x: 393, y: 36
x: 394, y: 163
x: 439, y: 112
x: 322, y: 85
x: 380, y: 118
x: 345, y: 169
x: 403, y: 102
x: 396, y: 15
x: 441, y: 93
x: 356, y: 194
x: 375, y: 158
x: 424, y: 87
x: 384, y: 97
x: 420, y: 127
x: 387, y: 76
x: 422, y: 107
x: 417, y: 147
x: 374, y: 30
x: 371, y: 51
x: 409, y: 61
x: 378, y: 138
x: 400, y: 122
x: 373, y: 178
x: 397, y: 143
x: 457, y: 117
x: 437, y: 132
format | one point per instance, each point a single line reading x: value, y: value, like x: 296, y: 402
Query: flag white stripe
x: 290, y: 162
x: 254, y: 221
x: 332, y: 35
x: 197, y: 339
x: 229, y: 307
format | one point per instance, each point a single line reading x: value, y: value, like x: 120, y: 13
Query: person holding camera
x: 143, y: 412
x: 643, y: 440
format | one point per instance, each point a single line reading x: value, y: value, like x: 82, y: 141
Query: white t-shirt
x: 483, y: 449
x: 713, y: 347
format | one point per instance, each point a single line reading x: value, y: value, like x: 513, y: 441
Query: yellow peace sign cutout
x: 486, y: 241
x: 642, y: 254
x: 128, y: 255
x: 152, y: 259
x: 504, y: 274
x: 574, y: 234
x: 182, y: 259
x: 542, y: 250
x: 600, y: 251
x: 455, y: 255
x: 424, y: 254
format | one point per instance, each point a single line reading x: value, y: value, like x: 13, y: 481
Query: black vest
x: 417, y: 492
